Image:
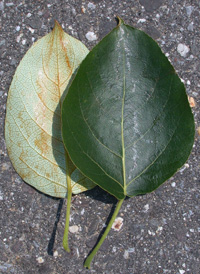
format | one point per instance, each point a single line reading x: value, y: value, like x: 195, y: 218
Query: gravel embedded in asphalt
x: 160, y: 230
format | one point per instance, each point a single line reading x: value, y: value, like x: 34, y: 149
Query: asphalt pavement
x: 160, y: 230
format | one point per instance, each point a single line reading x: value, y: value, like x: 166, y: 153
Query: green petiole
x: 69, y: 198
x: 93, y: 253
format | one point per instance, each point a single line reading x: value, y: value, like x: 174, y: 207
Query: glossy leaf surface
x: 33, y: 117
x: 126, y: 120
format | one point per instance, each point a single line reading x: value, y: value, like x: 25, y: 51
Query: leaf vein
x: 84, y: 119
x: 32, y: 146
x: 89, y: 156
x: 145, y: 169
x: 154, y: 122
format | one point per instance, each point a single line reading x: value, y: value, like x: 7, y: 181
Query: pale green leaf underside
x: 33, y: 117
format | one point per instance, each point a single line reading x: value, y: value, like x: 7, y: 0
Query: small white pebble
x: 1, y: 5
x: 73, y: 229
x: 19, y: 37
x: 187, y: 166
x: 33, y: 39
x: 191, y: 230
x: 182, y: 80
x: 1, y: 196
x: 151, y: 233
x: 126, y: 254
x: 55, y: 254
x: 146, y: 207
x: 91, y: 6
x: 131, y: 249
x: 114, y: 249
x: 40, y: 260
x: 17, y: 28
x: 91, y: 36
x: 167, y: 54
x: 28, y: 15
x: 118, y: 223
x: 181, y: 271
x: 188, y: 82
x: 183, y: 265
x: 157, y: 15
x: 192, y: 103
x: 189, y: 10
x: 173, y: 184
x: 82, y: 211
x: 183, y: 49
x: 159, y: 229
x: 77, y: 251
x: 23, y: 41
x: 22, y: 238
x: 142, y: 20
x: 191, y: 26
x: 9, y: 4
x: 31, y: 30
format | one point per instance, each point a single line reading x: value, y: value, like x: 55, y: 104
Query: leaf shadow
x: 56, y: 128
x: 101, y: 195
x: 103, y: 230
x: 45, y: 198
x: 53, y: 235
x: 56, y: 132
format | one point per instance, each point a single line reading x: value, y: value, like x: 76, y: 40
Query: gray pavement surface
x: 160, y: 230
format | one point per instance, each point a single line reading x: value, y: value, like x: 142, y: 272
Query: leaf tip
x: 119, y: 21
x: 57, y: 26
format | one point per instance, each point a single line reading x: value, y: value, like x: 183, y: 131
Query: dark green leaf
x: 127, y: 123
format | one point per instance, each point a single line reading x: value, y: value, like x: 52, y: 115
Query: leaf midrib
x: 122, y: 121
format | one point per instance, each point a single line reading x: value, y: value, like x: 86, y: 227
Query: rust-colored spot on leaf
x: 41, y: 143
x: 40, y: 94
x: 65, y: 52
x: 25, y: 173
x: 55, y: 189
x: 48, y: 175
x: 20, y: 114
